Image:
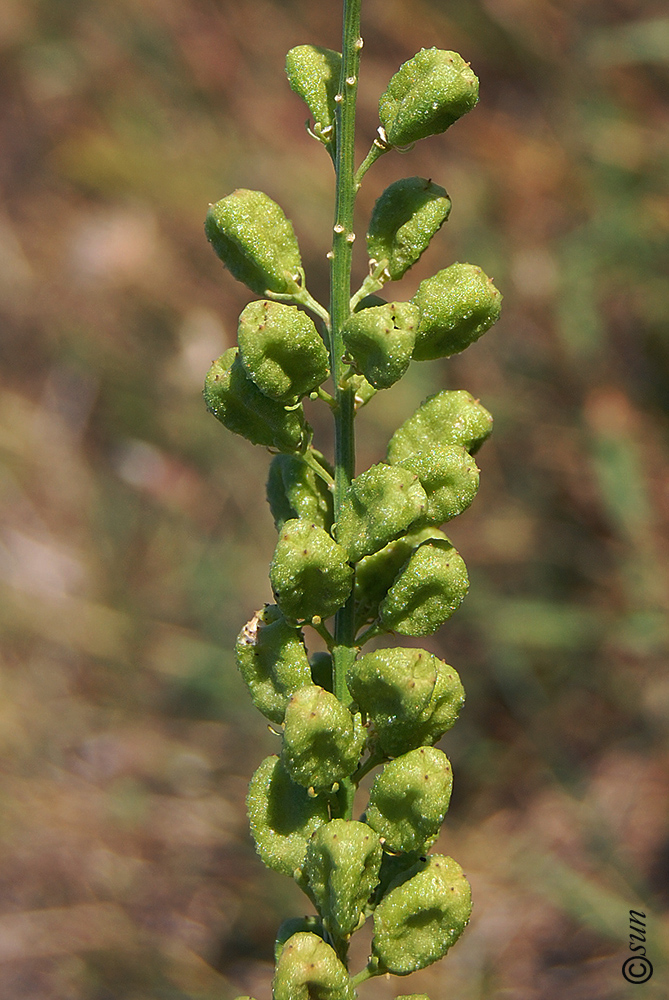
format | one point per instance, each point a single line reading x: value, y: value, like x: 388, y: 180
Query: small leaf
x: 255, y: 241
x: 309, y: 969
x: 456, y: 307
x: 447, y: 418
x: 404, y: 220
x: 313, y: 73
x: 379, y: 504
x: 322, y: 741
x: 381, y: 340
x: 272, y: 659
x: 426, y: 95
x: 427, y: 591
x: 309, y: 572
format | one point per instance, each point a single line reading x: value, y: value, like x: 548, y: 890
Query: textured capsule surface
x: 380, y: 341
x: 322, y: 741
x: 282, y: 816
x: 293, y: 925
x: 449, y: 417
x: 234, y: 399
x: 427, y: 591
x: 379, y: 505
x: 281, y: 350
x: 417, y: 921
x: 341, y: 870
x: 404, y: 220
x: 313, y: 72
x: 294, y: 490
x: 255, y: 241
x: 309, y: 572
x: 309, y: 969
x: 426, y: 95
x: 273, y: 661
x: 376, y: 573
x: 450, y: 477
x: 409, y: 799
x: 456, y: 307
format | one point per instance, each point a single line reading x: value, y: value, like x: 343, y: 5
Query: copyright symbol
x: 637, y: 970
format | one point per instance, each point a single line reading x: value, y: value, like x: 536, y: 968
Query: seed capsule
x: 282, y: 816
x: 427, y: 591
x: 418, y: 920
x: 375, y: 574
x: 448, y: 417
x: 293, y: 925
x: 409, y: 799
x: 456, y: 307
x: 404, y: 220
x: 322, y: 741
x: 295, y: 491
x: 381, y: 340
x: 281, y: 350
x: 308, y: 969
x: 273, y: 661
x: 426, y: 95
x: 255, y: 241
x: 313, y: 73
x: 309, y: 572
x: 379, y: 504
x: 450, y: 478
x: 341, y: 870
x: 241, y: 407
x: 411, y: 697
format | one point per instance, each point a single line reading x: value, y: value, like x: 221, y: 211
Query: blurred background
x: 134, y: 535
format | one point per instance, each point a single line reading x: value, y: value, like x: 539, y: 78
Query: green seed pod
x: 409, y: 799
x: 411, y: 697
x: 309, y: 969
x: 417, y: 921
x: 321, y: 670
x: 428, y: 590
x: 313, y: 73
x: 309, y: 572
x: 404, y: 220
x: 272, y: 660
x: 322, y: 741
x: 377, y: 506
x: 375, y: 574
x: 241, y: 407
x: 282, y: 816
x: 450, y: 478
x: 295, y: 491
x: 381, y: 340
x: 448, y: 417
x: 256, y: 242
x: 456, y: 307
x: 293, y: 925
x: 281, y: 350
x: 426, y: 95
x: 341, y: 871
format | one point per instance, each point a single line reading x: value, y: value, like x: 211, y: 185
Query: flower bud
x: 448, y: 417
x: 409, y: 799
x: 411, y: 697
x: 428, y: 590
x: 341, y: 870
x: 378, y: 505
x: 322, y: 741
x: 272, y: 660
x: 294, y: 490
x: 375, y: 574
x: 381, y: 340
x: 256, y: 242
x: 418, y: 920
x: 456, y: 307
x: 313, y: 73
x: 450, y: 478
x: 282, y: 816
x: 426, y: 95
x: 281, y: 350
x: 309, y: 969
x: 241, y: 407
x: 404, y: 220
x: 309, y: 572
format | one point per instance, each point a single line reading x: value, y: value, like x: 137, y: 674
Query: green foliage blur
x: 134, y: 533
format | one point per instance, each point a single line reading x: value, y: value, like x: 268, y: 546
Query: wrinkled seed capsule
x: 295, y: 491
x: 456, y: 307
x: 309, y: 969
x: 449, y: 417
x: 322, y: 740
x: 378, y: 505
x: 404, y: 220
x: 309, y: 572
x: 427, y: 591
x: 380, y: 340
x: 450, y: 477
x: 313, y: 72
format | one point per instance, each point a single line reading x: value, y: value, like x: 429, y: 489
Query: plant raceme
x: 367, y: 550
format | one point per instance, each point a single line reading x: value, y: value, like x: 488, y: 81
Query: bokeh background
x: 135, y: 537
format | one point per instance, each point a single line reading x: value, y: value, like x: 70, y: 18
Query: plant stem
x: 340, y: 295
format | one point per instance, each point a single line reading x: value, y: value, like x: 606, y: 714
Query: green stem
x: 377, y: 150
x: 340, y: 295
